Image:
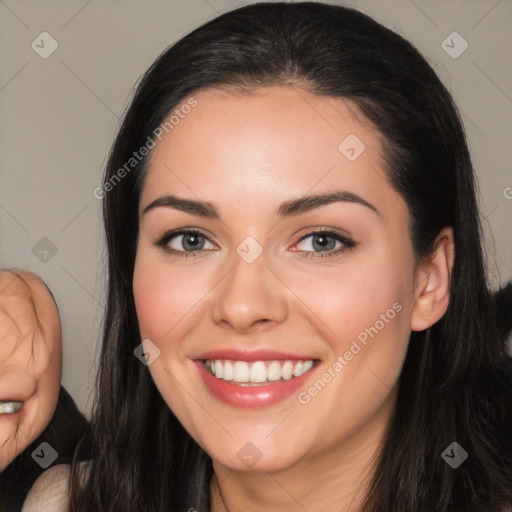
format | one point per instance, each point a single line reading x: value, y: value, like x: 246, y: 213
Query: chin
x: 248, y: 457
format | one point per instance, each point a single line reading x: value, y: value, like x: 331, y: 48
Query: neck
x: 335, y: 479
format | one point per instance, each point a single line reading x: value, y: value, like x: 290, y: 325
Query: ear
x: 432, y: 283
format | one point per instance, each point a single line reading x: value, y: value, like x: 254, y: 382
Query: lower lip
x: 252, y: 396
x: 12, y: 417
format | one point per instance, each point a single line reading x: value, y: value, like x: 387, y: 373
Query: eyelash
x: 167, y: 237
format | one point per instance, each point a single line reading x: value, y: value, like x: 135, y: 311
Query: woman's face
x: 257, y: 289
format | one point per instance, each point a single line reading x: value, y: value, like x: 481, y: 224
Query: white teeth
x: 227, y: 372
x: 10, y: 407
x: 297, y: 369
x: 241, y: 372
x: 274, y: 371
x: 218, y: 369
x: 307, y: 366
x: 287, y: 370
x: 258, y: 371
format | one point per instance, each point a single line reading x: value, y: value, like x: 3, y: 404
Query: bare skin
x: 30, y: 360
x: 247, y: 154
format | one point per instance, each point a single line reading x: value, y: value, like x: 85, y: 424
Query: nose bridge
x: 249, y: 293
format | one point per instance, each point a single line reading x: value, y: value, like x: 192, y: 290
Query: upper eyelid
x: 328, y: 231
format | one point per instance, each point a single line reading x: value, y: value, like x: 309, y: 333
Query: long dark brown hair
x: 456, y: 382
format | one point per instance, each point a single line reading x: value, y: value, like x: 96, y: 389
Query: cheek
x: 163, y: 296
x: 44, y: 403
x: 345, y: 302
x: 362, y: 311
x: 49, y: 381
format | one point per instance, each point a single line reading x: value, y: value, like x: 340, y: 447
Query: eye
x: 183, y: 242
x: 190, y: 242
x: 325, y: 242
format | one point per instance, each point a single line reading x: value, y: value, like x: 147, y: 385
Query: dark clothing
x: 66, y: 428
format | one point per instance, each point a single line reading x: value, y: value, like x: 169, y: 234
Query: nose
x: 250, y: 297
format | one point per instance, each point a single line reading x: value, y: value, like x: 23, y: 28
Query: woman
x: 298, y: 315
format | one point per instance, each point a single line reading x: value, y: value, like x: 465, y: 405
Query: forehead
x: 276, y: 141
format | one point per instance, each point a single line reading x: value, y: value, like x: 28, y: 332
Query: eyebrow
x: 286, y: 209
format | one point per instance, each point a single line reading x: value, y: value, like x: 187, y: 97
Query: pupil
x: 322, y: 241
x: 195, y: 241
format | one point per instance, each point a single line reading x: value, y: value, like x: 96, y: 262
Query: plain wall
x: 60, y: 114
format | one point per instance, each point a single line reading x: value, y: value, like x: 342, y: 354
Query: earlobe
x: 432, y: 288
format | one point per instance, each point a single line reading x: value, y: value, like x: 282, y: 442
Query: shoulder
x: 50, y: 491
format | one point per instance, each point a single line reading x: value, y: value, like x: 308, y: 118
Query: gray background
x: 60, y: 114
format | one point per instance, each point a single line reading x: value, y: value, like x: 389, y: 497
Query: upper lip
x: 251, y: 355
x: 17, y: 386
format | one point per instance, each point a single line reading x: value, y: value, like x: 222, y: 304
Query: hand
x: 30, y: 361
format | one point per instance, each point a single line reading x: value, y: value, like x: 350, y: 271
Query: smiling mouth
x: 257, y: 373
